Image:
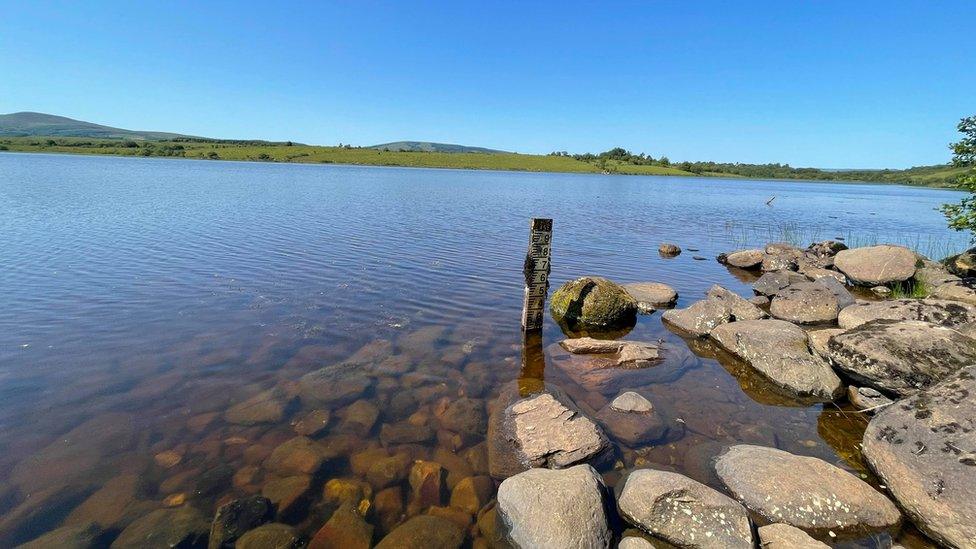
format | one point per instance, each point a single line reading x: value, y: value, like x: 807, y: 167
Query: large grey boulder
x: 924, y: 450
x: 784, y: 536
x: 873, y: 265
x: 544, y: 429
x: 840, y: 291
x: 804, y: 492
x: 770, y: 284
x: 593, y: 301
x: 543, y: 508
x: 936, y: 311
x: 682, y: 511
x: 652, y: 295
x: 805, y: 303
x: 900, y: 357
x: 743, y: 259
x: 778, y: 350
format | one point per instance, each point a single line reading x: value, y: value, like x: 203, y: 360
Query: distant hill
x: 427, y: 146
x: 26, y: 124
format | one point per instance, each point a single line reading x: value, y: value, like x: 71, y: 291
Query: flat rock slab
x: 651, y: 296
x: 900, y: 357
x: 804, y: 492
x: 589, y: 345
x: 924, y: 449
x: 609, y: 374
x: 936, y: 311
x: 541, y: 430
x: 805, y: 303
x: 698, y: 319
x: 963, y: 290
x: 682, y: 511
x: 629, y: 354
x: 873, y: 265
x: 784, y: 536
x: 778, y: 350
x: 544, y: 508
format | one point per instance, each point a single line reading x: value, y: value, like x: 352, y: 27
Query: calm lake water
x: 142, y: 298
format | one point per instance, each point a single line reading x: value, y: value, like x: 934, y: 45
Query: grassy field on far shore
x: 259, y: 151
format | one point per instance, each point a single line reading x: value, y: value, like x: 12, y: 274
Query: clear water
x: 141, y: 298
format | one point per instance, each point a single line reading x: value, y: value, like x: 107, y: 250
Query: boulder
x: 465, y: 416
x: 668, y: 250
x: 651, y: 296
x: 335, y: 385
x: 271, y: 536
x: 934, y: 274
x: 289, y: 495
x: 818, y: 340
x: 784, y: 536
x: 873, y: 265
x: 770, y: 284
x: 312, y: 423
x: 237, y: 517
x: 779, y: 351
x: 899, y: 357
x: 804, y: 492
x: 866, y: 398
x: 545, y: 429
x: 629, y: 426
x: 299, y: 455
x: 739, y: 308
x: 631, y: 402
x: 542, y: 508
x: 963, y: 290
x: 424, y: 532
x: 265, y: 407
x: 165, y: 528
x: 359, y: 418
x: 924, y: 450
x: 936, y: 311
x: 840, y: 291
x: 472, y: 493
x: 346, y: 528
x: 819, y: 273
x: 962, y: 265
x: 700, y: 318
x: 682, y: 511
x: 83, y: 536
x: 593, y: 301
x: 826, y: 248
x: 805, y: 303
x: 743, y: 259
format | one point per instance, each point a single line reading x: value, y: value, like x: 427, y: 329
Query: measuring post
x: 536, y: 270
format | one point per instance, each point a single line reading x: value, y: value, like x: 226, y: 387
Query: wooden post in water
x: 536, y: 270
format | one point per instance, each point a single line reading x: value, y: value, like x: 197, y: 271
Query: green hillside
x: 427, y: 146
x: 39, y: 124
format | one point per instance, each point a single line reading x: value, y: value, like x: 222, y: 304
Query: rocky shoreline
x: 410, y: 443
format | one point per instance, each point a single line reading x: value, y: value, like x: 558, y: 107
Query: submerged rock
x: 936, y: 311
x: 346, y: 529
x: 588, y: 345
x: 237, y: 517
x: 779, y: 351
x: 631, y: 419
x: 873, y: 265
x: 270, y: 536
x: 83, y: 536
x: 335, y: 385
x: 183, y: 527
x: 804, y: 492
x: 924, y: 449
x: 593, y: 301
x: 784, y: 536
x: 289, y: 495
x: 424, y: 532
x: 900, y: 357
x: 682, y: 511
x: 743, y: 259
x: 265, y: 407
x: 652, y: 295
x: 541, y: 430
x: 300, y: 455
x: 542, y: 508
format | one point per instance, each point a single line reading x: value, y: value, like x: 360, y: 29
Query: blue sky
x: 827, y: 84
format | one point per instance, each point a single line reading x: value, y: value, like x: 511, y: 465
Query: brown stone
x: 472, y: 493
x: 312, y: 423
x: 346, y: 530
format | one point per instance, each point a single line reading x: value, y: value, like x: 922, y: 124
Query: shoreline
x: 731, y: 177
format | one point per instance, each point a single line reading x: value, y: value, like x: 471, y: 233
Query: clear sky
x: 827, y: 84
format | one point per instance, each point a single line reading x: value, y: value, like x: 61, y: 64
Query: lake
x: 144, y: 298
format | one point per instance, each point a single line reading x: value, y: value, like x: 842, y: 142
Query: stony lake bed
x: 256, y: 355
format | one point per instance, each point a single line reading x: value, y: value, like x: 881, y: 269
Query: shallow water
x: 142, y: 298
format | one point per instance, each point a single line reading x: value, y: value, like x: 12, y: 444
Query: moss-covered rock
x: 593, y: 301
